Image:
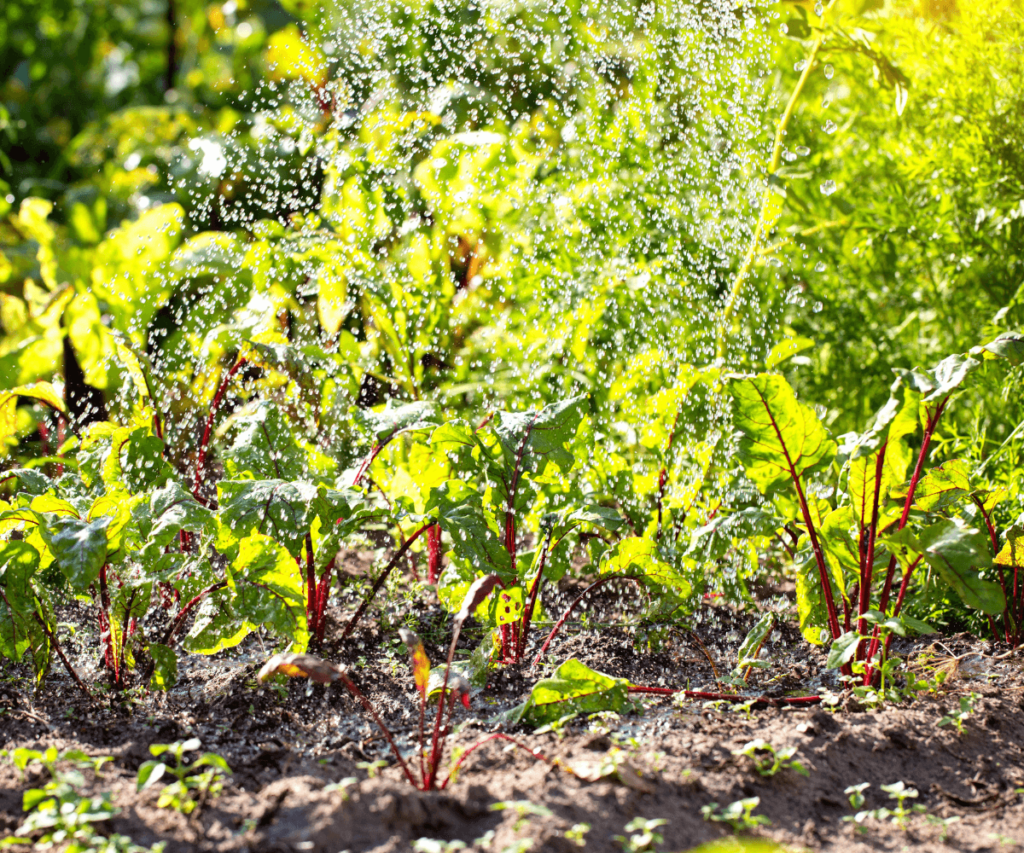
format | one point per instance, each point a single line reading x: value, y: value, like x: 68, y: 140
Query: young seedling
x: 958, y: 718
x: 179, y: 795
x: 768, y: 760
x: 739, y: 815
x: 897, y: 791
x: 644, y: 837
x: 422, y: 770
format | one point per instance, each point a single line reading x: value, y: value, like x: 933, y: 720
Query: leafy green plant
x: 768, y: 760
x: 897, y: 791
x: 59, y: 814
x: 195, y: 781
x: 739, y: 815
x: 960, y: 716
x: 644, y: 835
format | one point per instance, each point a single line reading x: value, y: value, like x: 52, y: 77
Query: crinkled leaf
x: 79, y: 548
x: 30, y: 481
x: 171, y: 510
x: 385, y: 423
x: 780, y: 438
x: 282, y: 510
x: 748, y: 649
x: 475, y: 540
x: 265, y: 447
x: 714, y: 539
x: 573, y: 688
x: 529, y: 440
x: 1009, y: 345
x: 943, y: 379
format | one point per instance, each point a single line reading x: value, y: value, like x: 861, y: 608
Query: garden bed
x: 303, y: 754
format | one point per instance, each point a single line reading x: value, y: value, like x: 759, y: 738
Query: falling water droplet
x: 819, y: 10
x: 829, y: 126
x: 820, y: 266
x: 803, y: 150
x: 829, y: 71
x: 828, y: 187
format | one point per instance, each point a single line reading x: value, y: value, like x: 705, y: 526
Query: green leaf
x: 636, y: 555
x: 79, y: 548
x: 30, y: 481
x: 940, y: 487
x: 475, y: 539
x: 573, y: 688
x: 265, y: 447
x: 284, y: 511
x: 810, y: 603
x: 529, y: 440
x: 943, y: 379
x: 265, y: 589
x: 171, y: 510
x: 385, y: 423
x: 714, y: 539
x: 780, y: 438
x: 843, y: 649
x: 1009, y: 345
x: 748, y: 649
x: 956, y: 552
x: 165, y: 667
x: 20, y: 612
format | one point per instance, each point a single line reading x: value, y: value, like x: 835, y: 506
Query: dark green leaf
x: 529, y: 440
x: 843, y: 649
x: 281, y: 510
x: 943, y: 379
x: 265, y: 448
x: 165, y: 667
x: 391, y: 420
x: 79, y: 548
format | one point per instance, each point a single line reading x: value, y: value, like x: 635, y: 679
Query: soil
x: 302, y: 754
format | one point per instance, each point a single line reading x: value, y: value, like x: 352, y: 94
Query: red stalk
x: 819, y: 554
x: 311, y: 597
x: 528, y: 612
x: 205, y: 443
x: 890, y: 573
x: 867, y: 569
x: 377, y: 584
x: 179, y: 620
x: 433, y: 553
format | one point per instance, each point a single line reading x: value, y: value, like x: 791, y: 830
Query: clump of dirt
x: 303, y: 755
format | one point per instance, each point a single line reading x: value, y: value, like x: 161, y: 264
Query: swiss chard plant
x: 865, y: 515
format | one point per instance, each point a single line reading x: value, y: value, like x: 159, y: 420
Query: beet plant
x: 424, y: 769
x: 856, y: 559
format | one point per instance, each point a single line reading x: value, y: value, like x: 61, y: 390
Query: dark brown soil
x: 287, y: 750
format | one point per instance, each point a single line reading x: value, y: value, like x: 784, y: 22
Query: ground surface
x: 287, y: 746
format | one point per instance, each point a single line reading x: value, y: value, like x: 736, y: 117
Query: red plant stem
x: 571, y: 607
x: 44, y: 438
x: 819, y: 554
x: 364, y: 466
x: 179, y: 620
x: 662, y: 480
x: 496, y: 736
x: 205, y: 443
x: 322, y: 592
x: 528, y: 612
x: 867, y: 569
x: 433, y: 553
x: 383, y: 576
x: 727, y: 697
x: 357, y: 693
x: 106, y: 628
x: 890, y: 573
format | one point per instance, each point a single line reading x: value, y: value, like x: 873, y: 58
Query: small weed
x: 179, y: 794
x: 433, y: 845
x: 958, y: 718
x: 524, y: 809
x: 768, y: 760
x: 897, y: 791
x: 372, y: 768
x: 577, y: 834
x: 739, y: 815
x: 644, y: 835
